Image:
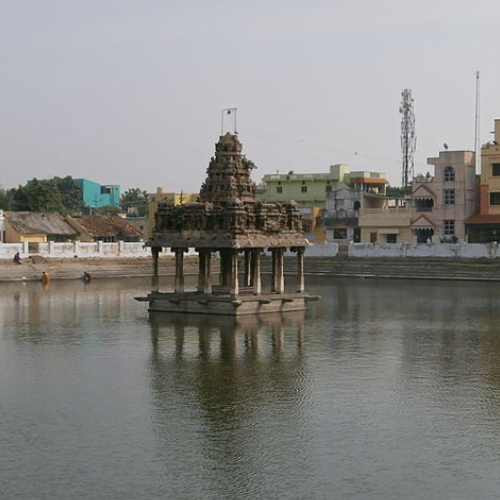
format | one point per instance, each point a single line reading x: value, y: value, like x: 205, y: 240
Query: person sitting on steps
x: 17, y: 258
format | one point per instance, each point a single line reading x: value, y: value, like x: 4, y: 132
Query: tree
x: 5, y: 199
x: 36, y: 197
x: 71, y: 193
x: 108, y: 210
x: 59, y: 194
x: 135, y: 202
x: 396, y: 192
x: 249, y: 163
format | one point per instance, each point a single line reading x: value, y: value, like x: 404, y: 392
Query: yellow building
x: 390, y: 223
x: 313, y: 229
x: 490, y: 175
x: 484, y: 227
x: 37, y: 227
x: 161, y: 196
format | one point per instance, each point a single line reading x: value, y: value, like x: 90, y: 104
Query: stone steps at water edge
x: 98, y: 268
x: 482, y: 269
x: 413, y: 268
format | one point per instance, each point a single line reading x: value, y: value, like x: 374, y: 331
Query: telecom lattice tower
x: 408, y: 137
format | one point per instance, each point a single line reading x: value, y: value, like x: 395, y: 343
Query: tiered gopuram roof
x: 228, y: 214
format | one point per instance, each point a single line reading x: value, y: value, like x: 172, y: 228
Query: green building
x: 97, y: 195
x: 312, y: 189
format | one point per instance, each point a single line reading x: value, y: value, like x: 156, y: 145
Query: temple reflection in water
x: 199, y: 336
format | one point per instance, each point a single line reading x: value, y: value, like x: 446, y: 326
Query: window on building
x: 391, y: 238
x: 424, y: 204
x: 449, y: 196
x: 279, y: 189
x: 449, y: 227
x: 106, y: 189
x: 494, y: 198
x: 449, y: 174
x: 328, y: 188
x: 495, y: 169
x: 339, y: 234
x: 303, y: 189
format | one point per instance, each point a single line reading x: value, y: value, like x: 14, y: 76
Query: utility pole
x: 408, y: 137
x: 477, y: 145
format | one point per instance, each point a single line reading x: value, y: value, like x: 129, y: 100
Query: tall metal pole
x: 477, y: 145
x: 408, y: 137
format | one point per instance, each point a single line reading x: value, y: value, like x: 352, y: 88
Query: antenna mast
x: 477, y: 145
x: 408, y: 137
x: 228, y: 113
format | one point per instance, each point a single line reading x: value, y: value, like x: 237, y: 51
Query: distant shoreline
x: 142, y: 267
x: 66, y: 269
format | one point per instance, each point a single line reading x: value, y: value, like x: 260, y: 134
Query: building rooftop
x: 50, y: 223
x: 107, y: 225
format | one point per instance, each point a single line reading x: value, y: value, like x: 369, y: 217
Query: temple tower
x: 229, y: 222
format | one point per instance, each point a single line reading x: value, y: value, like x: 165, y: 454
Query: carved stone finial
x: 228, y: 175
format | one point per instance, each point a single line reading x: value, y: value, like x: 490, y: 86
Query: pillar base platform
x: 202, y: 303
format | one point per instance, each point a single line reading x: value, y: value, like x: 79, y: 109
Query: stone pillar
x: 247, y: 280
x: 256, y: 279
x: 204, y: 280
x: 280, y: 276
x: 273, y: 269
x: 179, y: 270
x: 207, y: 282
x: 155, y: 279
x: 234, y: 273
x: 300, y: 269
x: 225, y: 268
x: 201, y: 269
x: 277, y: 276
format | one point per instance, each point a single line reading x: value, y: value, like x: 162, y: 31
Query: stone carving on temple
x: 227, y: 202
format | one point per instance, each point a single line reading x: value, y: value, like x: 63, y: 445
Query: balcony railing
x: 423, y: 209
x: 348, y: 221
x: 386, y: 210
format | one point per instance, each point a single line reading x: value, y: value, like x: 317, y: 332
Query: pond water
x: 382, y: 390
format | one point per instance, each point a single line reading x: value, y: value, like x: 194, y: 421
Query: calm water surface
x: 383, y: 390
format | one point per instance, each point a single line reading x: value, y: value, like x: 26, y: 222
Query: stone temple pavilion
x: 229, y: 223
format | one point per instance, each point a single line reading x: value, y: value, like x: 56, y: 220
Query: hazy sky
x: 130, y: 92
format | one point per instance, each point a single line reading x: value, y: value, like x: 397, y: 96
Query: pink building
x: 442, y: 203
